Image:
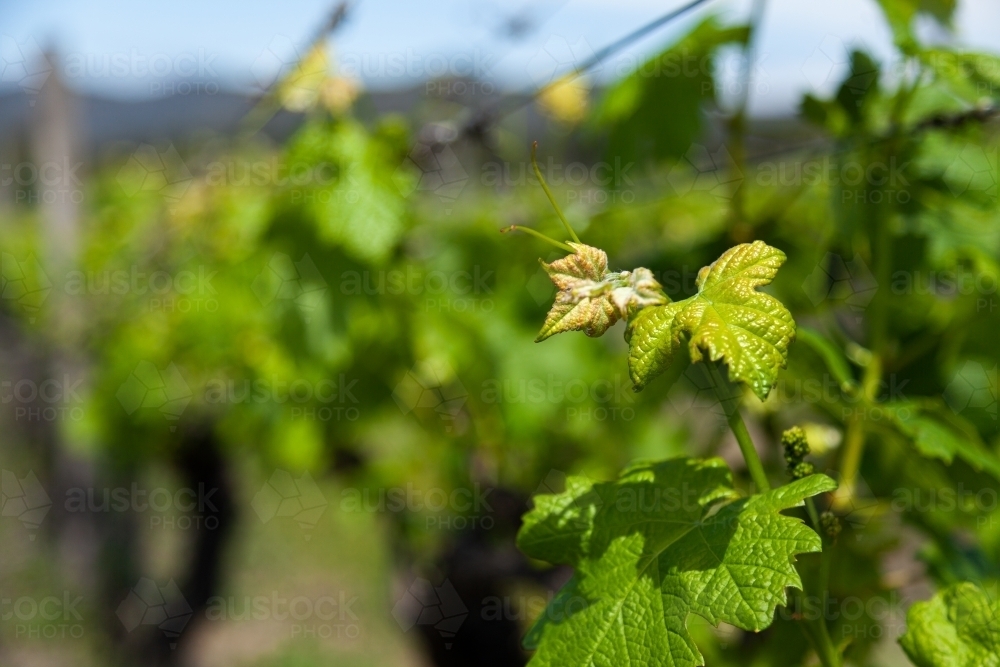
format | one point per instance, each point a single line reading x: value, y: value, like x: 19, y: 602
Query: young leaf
x: 958, y: 627
x: 940, y: 438
x: 655, y: 546
x: 591, y: 298
x: 727, y: 319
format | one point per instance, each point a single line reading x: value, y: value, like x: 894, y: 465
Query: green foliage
x: 681, y: 79
x: 354, y: 197
x: 867, y: 269
x: 663, y: 541
x: 901, y: 13
x: 727, y: 319
x: 958, y: 627
x: 937, y: 434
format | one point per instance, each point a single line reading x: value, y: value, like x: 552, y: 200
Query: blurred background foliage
x: 339, y: 256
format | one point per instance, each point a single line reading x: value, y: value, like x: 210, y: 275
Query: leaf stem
x: 826, y: 651
x: 537, y: 234
x: 813, y: 515
x: 548, y: 193
x: 739, y: 429
x: 754, y: 464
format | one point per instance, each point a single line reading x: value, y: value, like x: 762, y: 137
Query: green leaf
x: 939, y: 435
x: 591, y: 298
x: 958, y: 627
x: 900, y: 15
x: 682, y: 76
x: 859, y: 86
x: 727, y: 319
x: 664, y: 540
x: 352, y: 198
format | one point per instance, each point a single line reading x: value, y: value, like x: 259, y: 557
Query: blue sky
x: 395, y: 43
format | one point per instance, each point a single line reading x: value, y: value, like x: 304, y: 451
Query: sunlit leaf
x: 727, y: 319
x: 662, y: 542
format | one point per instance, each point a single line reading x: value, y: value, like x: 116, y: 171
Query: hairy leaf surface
x: 591, y: 298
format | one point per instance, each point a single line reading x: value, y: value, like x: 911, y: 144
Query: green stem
x: 813, y: 514
x: 536, y: 234
x: 827, y: 652
x: 850, y: 463
x: 754, y: 464
x: 739, y: 430
x: 854, y: 441
x: 815, y: 629
x: 548, y: 193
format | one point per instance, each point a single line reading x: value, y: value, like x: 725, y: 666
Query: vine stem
x: 854, y: 440
x: 538, y: 235
x: 548, y: 193
x: 754, y: 464
x: 739, y: 429
x: 825, y: 649
x: 816, y: 630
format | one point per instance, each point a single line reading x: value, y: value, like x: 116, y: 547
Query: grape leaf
x: 939, y: 435
x: 728, y: 318
x: 591, y: 298
x: 664, y: 540
x: 958, y: 627
x: 900, y: 15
